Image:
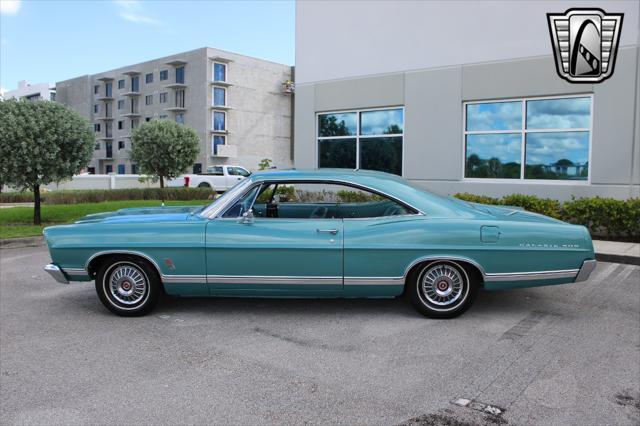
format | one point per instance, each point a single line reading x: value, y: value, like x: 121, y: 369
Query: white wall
x: 26, y: 89
x: 340, y: 39
x: 102, y: 182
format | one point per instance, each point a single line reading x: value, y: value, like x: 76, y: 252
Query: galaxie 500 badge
x: 585, y: 43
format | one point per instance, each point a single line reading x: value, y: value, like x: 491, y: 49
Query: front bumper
x: 585, y: 270
x: 56, y: 273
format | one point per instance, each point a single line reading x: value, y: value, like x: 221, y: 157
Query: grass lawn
x: 17, y: 221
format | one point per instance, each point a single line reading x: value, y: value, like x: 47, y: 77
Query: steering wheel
x: 319, y: 212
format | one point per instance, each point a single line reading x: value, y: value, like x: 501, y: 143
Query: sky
x: 49, y: 40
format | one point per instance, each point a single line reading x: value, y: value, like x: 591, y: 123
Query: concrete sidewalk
x: 617, y: 252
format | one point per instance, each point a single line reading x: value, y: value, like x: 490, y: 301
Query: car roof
x: 385, y: 183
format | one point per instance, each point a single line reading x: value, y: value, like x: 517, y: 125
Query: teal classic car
x: 315, y: 234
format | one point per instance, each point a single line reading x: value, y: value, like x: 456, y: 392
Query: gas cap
x: 489, y: 234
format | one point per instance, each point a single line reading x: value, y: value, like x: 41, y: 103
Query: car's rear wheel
x: 204, y: 185
x: 128, y: 286
x: 442, y: 289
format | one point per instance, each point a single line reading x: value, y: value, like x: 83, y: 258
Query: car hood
x: 143, y: 215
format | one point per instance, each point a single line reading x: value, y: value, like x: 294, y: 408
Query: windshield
x: 225, y: 198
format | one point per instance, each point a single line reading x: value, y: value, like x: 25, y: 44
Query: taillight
x: 186, y: 181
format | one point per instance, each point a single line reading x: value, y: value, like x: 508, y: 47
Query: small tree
x: 265, y: 164
x: 41, y: 142
x: 164, y: 149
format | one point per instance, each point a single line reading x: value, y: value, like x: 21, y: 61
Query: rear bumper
x: 56, y: 273
x: 585, y: 270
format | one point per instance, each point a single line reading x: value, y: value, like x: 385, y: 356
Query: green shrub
x: 546, y: 206
x: 99, y: 195
x: 482, y: 199
x: 605, y: 217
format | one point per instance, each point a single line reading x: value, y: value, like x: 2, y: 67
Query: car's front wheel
x: 128, y: 286
x: 442, y: 289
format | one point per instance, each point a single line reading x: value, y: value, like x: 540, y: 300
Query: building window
x: 219, y: 96
x: 108, y: 129
x: 108, y: 169
x: 121, y: 104
x: 120, y: 125
x: 148, y: 100
x: 121, y: 84
x: 219, y: 121
x: 147, y: 119
x: 163, y: 97
x: 135, y: 83
x: 134, y: 169
x: 120, y: 144
x: 219, y: 71
x: 108, y: 149
x: 180, y: 98
x: 96, y: 89
x: 163, y: 117
x: 108, y: 90
x: 107, y: 109
x: 366, y: 139
x: 197, y: 168
x: 180, y: 118
x: 96, y: 108
x: 180, y: 75
x: 96, y: 127
x: 216, y: 141
x: 134, y: 123
x: 148, y: 78
x: 96, y: 146
x: 544, y: 138
x: 120, y: 169
x: 164, y: 75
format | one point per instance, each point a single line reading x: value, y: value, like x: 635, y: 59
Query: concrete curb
x: 10, y: 243
x: 618, y: 258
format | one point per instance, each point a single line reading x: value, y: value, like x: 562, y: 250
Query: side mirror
x: 246, y: 218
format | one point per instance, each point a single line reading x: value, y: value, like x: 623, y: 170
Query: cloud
x: 10, y: 7
x: 133, y: 11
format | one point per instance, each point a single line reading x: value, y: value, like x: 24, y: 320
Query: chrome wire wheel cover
x: 442, y: 285
x: 128, y: 284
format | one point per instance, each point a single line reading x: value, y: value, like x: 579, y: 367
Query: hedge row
x: 99, y: 195
x: 603, y: 216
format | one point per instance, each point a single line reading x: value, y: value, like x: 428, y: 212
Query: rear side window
x: 215, y: 170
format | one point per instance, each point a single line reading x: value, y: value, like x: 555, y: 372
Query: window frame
x: 213, y: 121
x: 213, y: 142
x: 213, y: 72
x: 358, y: 136
x: 412, y: 211
x: 213, y: 96
x: 523, y: 131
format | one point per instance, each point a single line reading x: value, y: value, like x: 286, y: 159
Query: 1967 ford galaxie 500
x: 324, y: 233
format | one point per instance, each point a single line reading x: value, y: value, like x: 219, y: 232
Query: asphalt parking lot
x: 552, y: 355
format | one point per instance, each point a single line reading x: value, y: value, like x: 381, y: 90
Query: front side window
x: 318, y: 200
x: 528, y: 139
x: 237, y: 171
x: 368, y: 139
x: 219, y: 72
x: 219, y: 96
x: 219, y: 121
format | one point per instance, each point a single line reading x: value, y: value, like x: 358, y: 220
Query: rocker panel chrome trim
x: 373, y: 280
x: 237, y: 279
x: 528, y: 276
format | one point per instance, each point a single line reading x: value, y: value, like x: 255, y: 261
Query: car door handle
x: 327, y: 231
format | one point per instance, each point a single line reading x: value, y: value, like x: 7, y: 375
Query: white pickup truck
x: 219, y: 178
